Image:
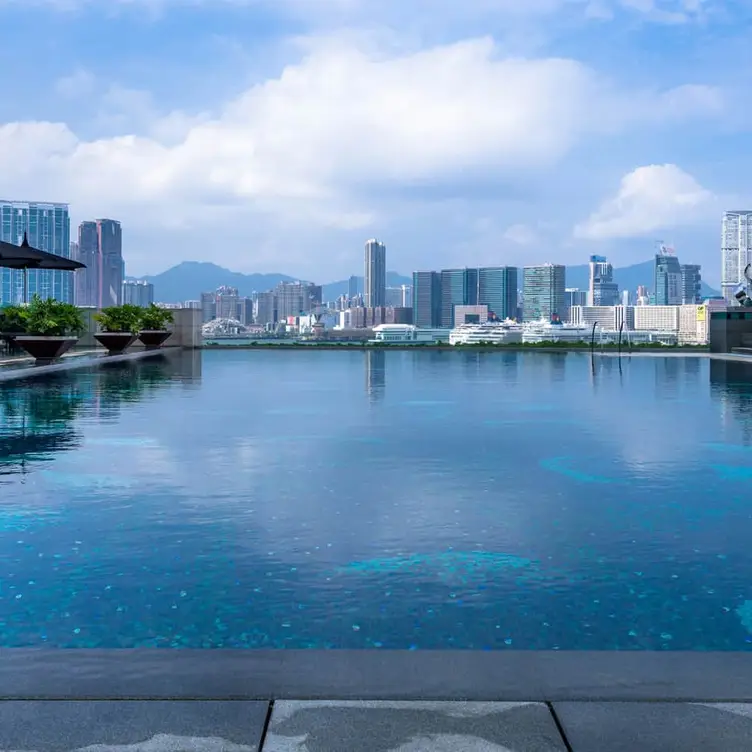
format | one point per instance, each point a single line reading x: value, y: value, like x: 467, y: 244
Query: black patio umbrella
x: 25, y: 257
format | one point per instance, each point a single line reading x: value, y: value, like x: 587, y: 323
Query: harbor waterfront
x: 446, y: 500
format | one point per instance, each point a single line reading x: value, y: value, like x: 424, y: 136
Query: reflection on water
x: 478, y: 500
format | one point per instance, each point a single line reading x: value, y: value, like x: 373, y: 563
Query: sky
x: 280, y: 135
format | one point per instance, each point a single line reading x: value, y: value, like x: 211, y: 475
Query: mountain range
x: 188, y: 280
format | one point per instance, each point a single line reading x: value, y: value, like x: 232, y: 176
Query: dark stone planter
x: 153, y: 339
x: 45, y: 349
x: 115, y: 342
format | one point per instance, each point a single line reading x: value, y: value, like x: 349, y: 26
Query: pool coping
x: 141, y: 674
x: 78, y: 362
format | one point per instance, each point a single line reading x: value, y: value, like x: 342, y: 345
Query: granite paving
x: 131, y: 726
x: 655, y: 727
x: 412, y: 727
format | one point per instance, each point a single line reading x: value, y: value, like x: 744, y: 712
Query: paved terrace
x: 373, y: 701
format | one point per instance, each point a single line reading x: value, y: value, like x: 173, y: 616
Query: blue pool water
x: 379, y: 500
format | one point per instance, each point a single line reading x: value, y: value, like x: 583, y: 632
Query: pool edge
x: 85, y: 674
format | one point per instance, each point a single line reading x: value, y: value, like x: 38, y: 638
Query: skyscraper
x: 138, y: 292
x: 603, y: 290
x: 668, y: 278
x: 497, y: 289
x: 458, y: 287
x: 691, y: 284
x: 374, y: 284
x: 100, y: 247
x: 427, y: 299
x: 47, y: 226
x: 543, y: 292
x: 736, y: 251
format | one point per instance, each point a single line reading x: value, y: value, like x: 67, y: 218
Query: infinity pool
x: 415, y: 500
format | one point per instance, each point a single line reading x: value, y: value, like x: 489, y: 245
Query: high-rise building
x: 427, y: 299
x: 138, y: 292
x: 691, y: 284
x: 736, y: 251
x: 458, y: 287
x: 266, y: 309
x: 374, y: 284
x: 543, y: 292
x: 208, y: 307
x: 47, y: 226
x: 352, y: 287
x: 100, y: 247
x: 668, y: 278
x: 576, y: 297
x: 227, y: 302
x: 296, y: 298
x: 603, y: 290
x: 497, y: 289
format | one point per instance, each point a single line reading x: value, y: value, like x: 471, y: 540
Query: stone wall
x: 186, y: 329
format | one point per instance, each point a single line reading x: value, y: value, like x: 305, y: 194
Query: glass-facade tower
x: 47, y: 226
x: 544, y: 292
x: 427, y: 299
x: 497, y: 289
x: 668, y: 280
x: 458, y: 287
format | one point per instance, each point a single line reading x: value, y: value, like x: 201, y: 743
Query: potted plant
x: 51, y: 328
x: 12, y: 323
x: 153, y: 323
x: 120, y: 325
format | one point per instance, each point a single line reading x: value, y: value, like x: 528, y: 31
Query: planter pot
x: 153, y: 338
x: 45, y: 349
x: 115, y: 342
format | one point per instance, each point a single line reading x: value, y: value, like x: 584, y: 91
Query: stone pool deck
x: 373, y: 701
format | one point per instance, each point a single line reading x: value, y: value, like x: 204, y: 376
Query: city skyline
x: 602, y: 159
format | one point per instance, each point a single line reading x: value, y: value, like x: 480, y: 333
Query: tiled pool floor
x: 301, y: 726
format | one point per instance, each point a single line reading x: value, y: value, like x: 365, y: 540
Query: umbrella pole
x: 25, y: 285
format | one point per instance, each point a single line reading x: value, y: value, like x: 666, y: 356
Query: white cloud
x: 520, y: 234
x: 79, y: 84
x: 649, y: 199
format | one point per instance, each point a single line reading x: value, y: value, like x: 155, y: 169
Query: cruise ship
x: 496, y: 333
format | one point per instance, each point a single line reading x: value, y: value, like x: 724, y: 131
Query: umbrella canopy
x: 25, y: 257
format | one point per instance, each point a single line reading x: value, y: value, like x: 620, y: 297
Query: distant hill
x: 188, y: 280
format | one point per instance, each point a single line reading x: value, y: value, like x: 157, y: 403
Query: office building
x: 603, y: 290
x: 575, y: 297
x: 609, y: 318
x: 691, y: 284
x: 47, y: 226
x: 459, y: 287
x: 100, y: 247
x: 668, y: 279
x: 471, y: 314
x: 497, y: 289
x: 736, y: 251
x: 374, y: 286
x: 544, y: 292
x: 426, y: 300
x: 138, y: 292
x: 625, y: 297
x: 399, y: 297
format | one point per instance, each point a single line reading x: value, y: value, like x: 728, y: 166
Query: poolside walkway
x: 376, y: 726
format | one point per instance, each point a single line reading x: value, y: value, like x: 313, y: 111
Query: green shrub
x: 154, y: 318
x: 116, y: 319
x: 51, y: 318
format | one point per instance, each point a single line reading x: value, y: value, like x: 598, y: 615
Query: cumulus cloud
x: 307, y: 143
x: 650, y: 198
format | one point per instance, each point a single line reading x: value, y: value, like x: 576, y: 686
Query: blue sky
x: 278, y: 135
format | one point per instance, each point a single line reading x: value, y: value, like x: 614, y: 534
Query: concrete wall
x: 729, y: 329
x: 186, y: 329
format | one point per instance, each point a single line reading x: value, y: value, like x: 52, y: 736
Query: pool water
x: 418, y: 500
